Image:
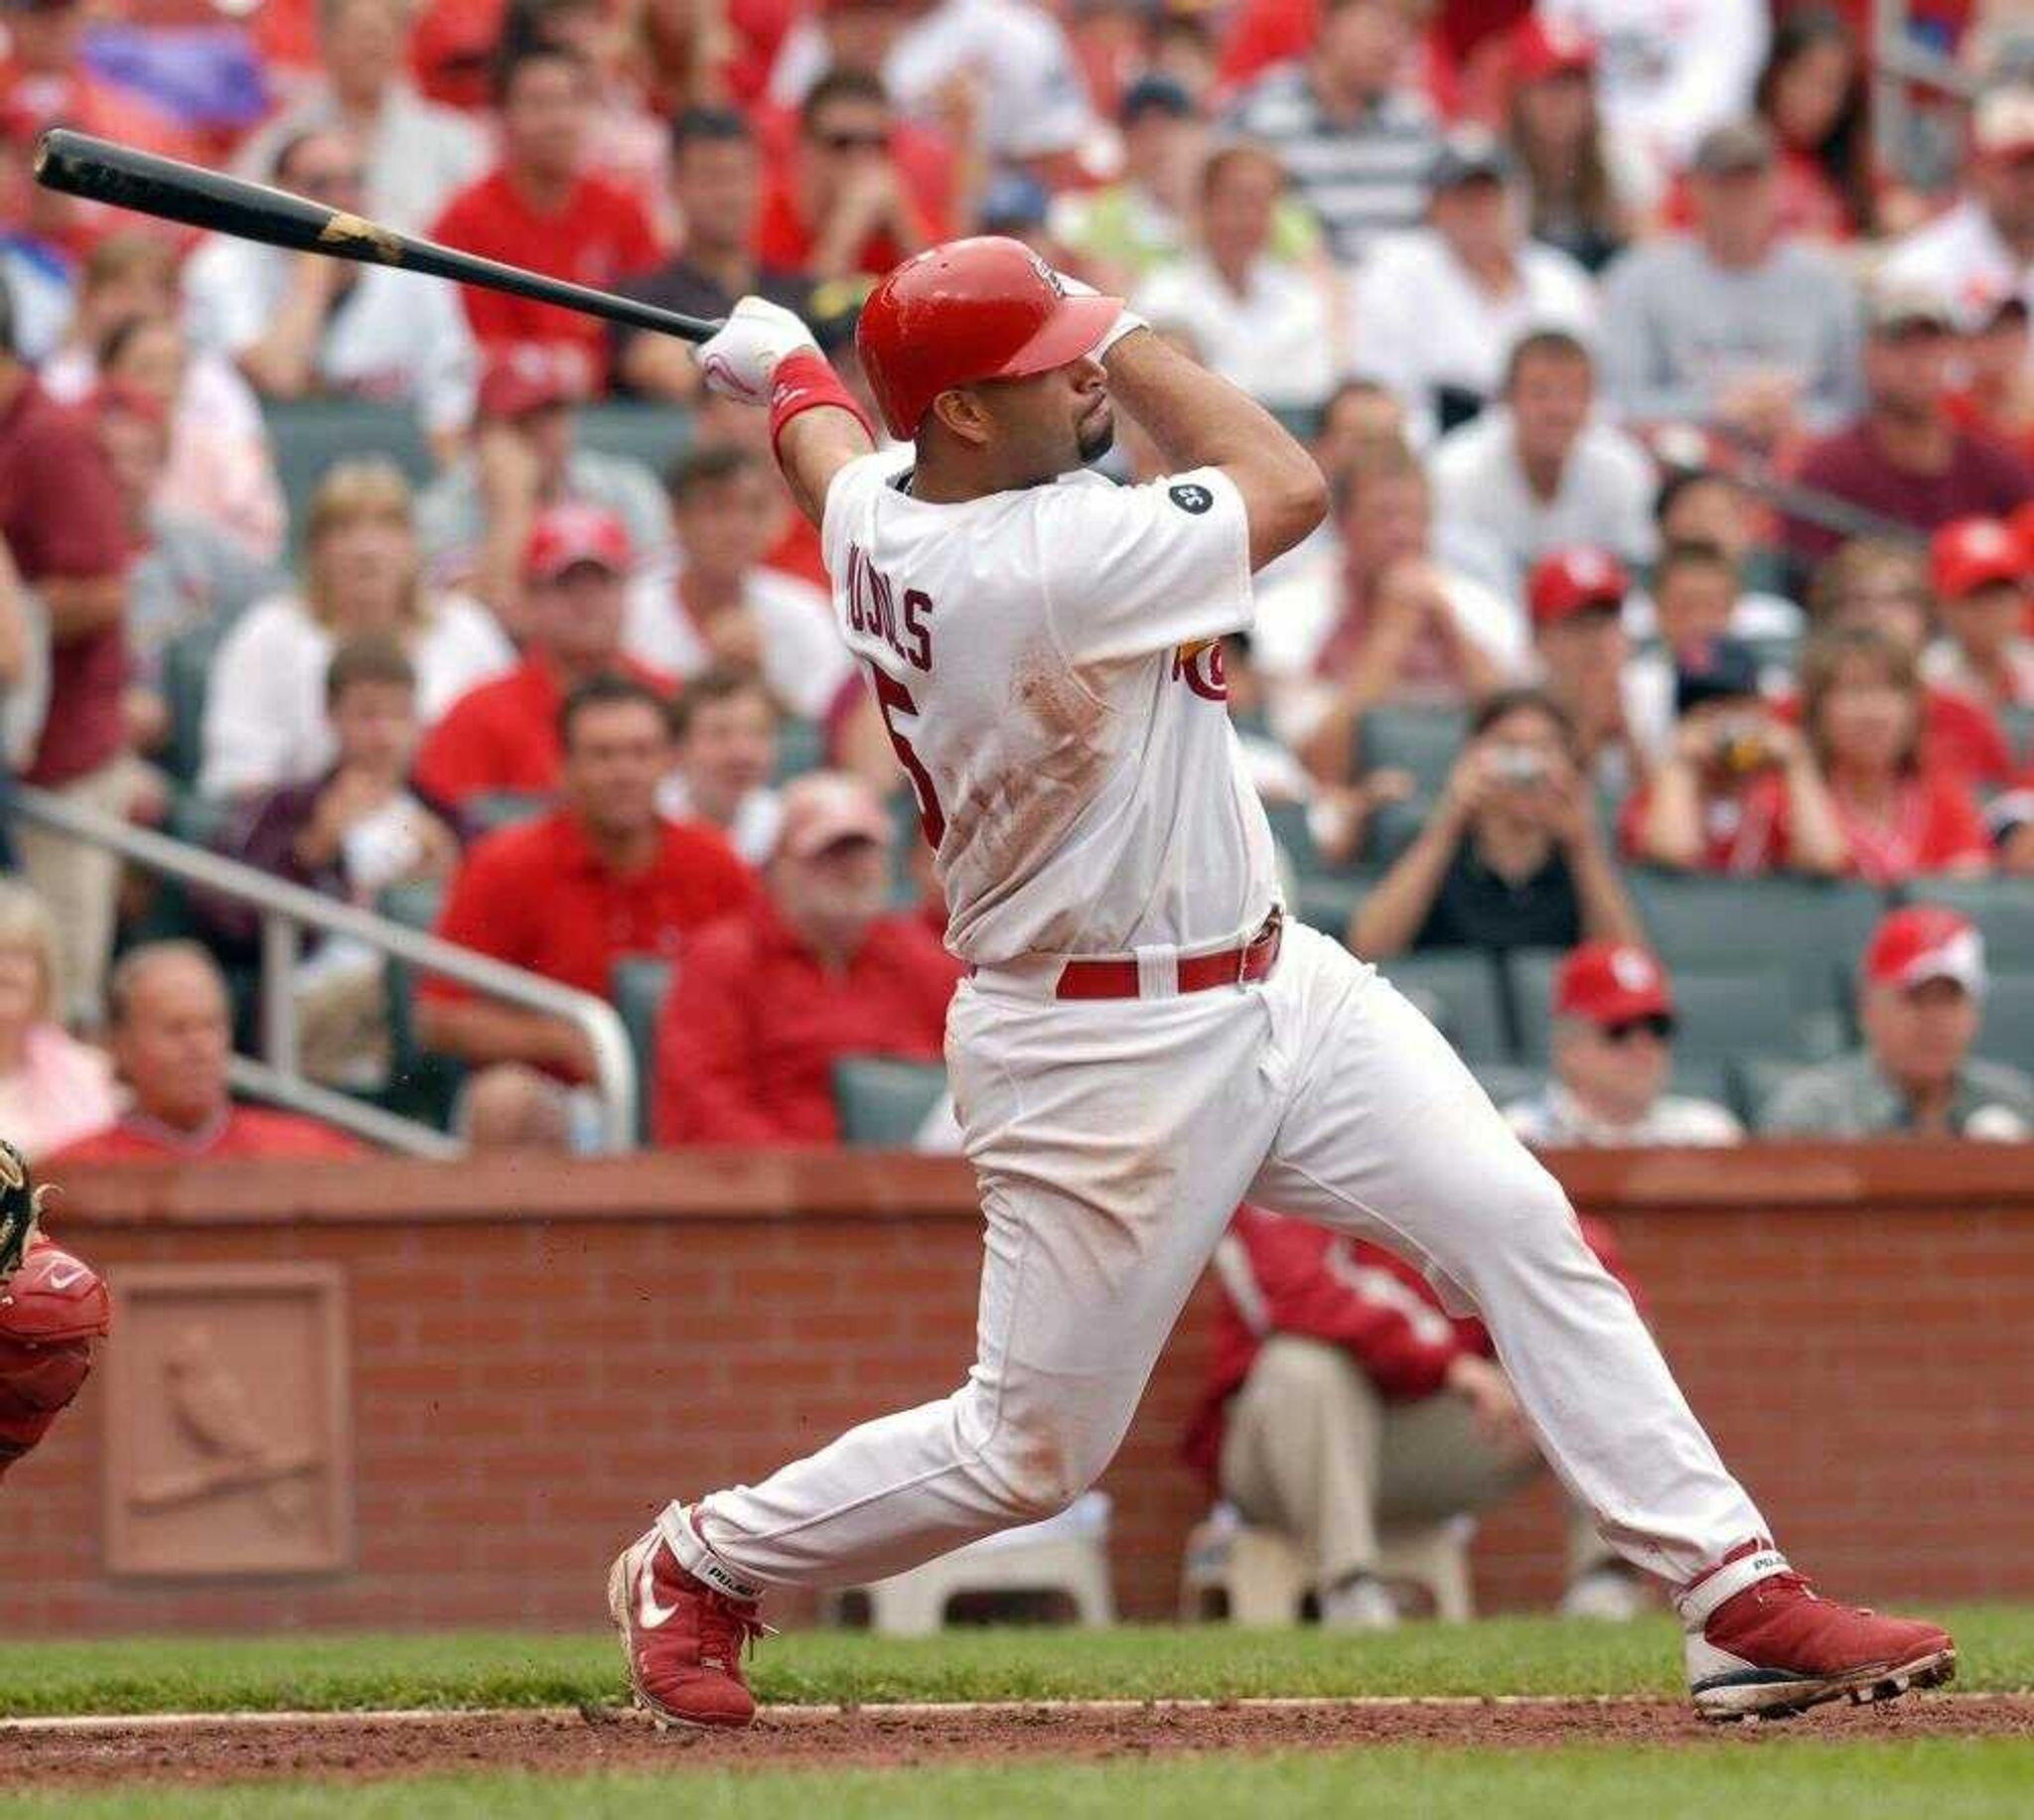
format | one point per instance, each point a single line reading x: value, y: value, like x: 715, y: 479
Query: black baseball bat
x: 81, y: 165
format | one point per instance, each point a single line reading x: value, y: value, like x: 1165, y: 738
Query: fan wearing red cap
x: 502, y: 738
x: 1576, y: 598
x: 1585, y: 188
x: 1921, y: 1005
x: 1613, y: 1052
x: 526, y: 457
x: 1982, y: 570
x: 816, y: 970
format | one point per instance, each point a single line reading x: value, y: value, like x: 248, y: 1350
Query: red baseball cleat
x: 1762, y: 1644
x: 683, y: 1640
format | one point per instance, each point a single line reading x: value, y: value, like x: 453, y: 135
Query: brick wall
x: 540, y: 1356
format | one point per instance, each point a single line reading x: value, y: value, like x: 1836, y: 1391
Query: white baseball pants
x: 1114, y: 1140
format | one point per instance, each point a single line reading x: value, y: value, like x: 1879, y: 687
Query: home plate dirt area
x: 87, y: 1753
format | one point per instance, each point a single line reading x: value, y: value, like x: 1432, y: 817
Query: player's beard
x: 1094, y: 436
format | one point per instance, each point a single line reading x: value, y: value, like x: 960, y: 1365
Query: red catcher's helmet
x: 986, y: 307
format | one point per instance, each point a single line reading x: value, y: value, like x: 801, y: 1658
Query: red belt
x: 1237, y: 966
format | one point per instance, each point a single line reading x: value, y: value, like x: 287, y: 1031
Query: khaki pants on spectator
x: 80, y: 884
x: 1316, y: 1452
x: 343, y: 1034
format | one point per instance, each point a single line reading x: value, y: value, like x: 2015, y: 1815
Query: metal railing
x: 287, y: 910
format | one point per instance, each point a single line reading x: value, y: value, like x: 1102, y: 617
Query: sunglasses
x: 844, y: 143
x: 1656, y: 1024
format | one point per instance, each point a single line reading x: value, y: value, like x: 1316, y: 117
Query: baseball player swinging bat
x: 79, y: 165
x: 1144, y: 1040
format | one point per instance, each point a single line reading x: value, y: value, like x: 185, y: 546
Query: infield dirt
x: 372, y: 1745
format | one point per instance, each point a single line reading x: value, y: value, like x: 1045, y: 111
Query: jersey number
x: 894, y: 698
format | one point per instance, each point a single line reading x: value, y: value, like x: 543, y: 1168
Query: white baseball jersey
x: 1046, y: 664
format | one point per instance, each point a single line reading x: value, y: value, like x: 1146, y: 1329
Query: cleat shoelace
x: 1789, y: 1583
x: 727, y: 1631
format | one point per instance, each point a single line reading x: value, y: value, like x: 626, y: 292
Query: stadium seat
x: 1724, y: 1011
x: 200, y: 821
x: 637, y: 987
x: 1394, y: 827
x: 2002, y: 907
x: 311, y: 435
x: 1696, y: 921
x: 1423, y: 741
x: 800, y: 747
x: 1258, y: 1576
x: 654, y: 435
x: 421, y: 1085
x: 1301, y: 421
x: 2008, y: 1030
x: 1326, y: 900
x: 2019, y: 726
x: 1758, y: 1078
x: 1292, y: 829
x: 882, y: 1101
x: 1505, y: 1081
x: 1508, y: 1082
x: 1460, y: 992
x: 1065, y: 1555
x: 187, y: 665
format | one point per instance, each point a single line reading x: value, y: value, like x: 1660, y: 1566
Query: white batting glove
x: 1127, y: 320
x: 741, y: 361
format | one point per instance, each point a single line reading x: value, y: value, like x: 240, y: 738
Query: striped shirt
x: 1361, y: 179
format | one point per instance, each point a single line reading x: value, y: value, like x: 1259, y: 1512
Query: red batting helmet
x: 986, y: 307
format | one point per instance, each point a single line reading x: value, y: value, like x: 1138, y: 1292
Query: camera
x: 1518, y: 765
x: 1741, y: 745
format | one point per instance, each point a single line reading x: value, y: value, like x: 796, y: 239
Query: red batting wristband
x: 805, y: 381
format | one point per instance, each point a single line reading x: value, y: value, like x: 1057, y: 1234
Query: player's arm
x: 1200, y: 421
x: 813, y: 447
x: 765, y: 356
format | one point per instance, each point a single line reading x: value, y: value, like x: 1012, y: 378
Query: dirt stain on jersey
x: 1006, y: 828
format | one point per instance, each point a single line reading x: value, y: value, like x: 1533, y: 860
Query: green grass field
x: 1783, y: 1775
x: 328, y: 1672
x: 1941, y: 1779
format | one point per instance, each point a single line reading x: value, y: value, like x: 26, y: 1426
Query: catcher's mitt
x: 52, y: 1307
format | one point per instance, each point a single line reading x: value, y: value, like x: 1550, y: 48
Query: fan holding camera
x: 1510, y: 856
x: 1739, y: 790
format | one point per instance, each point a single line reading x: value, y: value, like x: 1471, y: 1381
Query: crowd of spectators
x: 1678, y: 416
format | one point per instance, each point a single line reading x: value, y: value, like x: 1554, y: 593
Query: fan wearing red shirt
x: 171, y: 1036
x: 839, y: 207
x: 542, y: 208
x: 1906, y: 458
x: 810, y: 973
x: 604, y: 878
x: 1884, y: 587
x: 1900, y: 818
x: 1341, y: 1397
x: 503, y: 735
x: 62, y: 523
